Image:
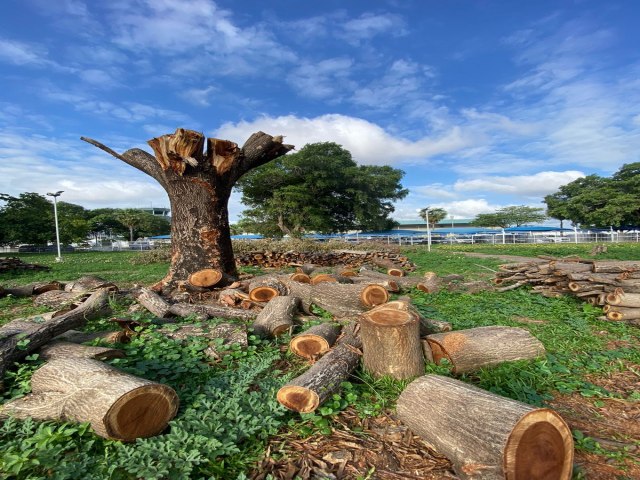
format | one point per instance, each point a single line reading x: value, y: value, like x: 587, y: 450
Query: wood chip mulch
x: 373, y: 448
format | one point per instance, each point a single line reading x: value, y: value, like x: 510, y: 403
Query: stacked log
x: 612, y: 284
x: 12, y: 264
x: 350, y: 258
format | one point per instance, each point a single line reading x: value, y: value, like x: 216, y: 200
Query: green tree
x: 517, y: 215
x: 27, y: 218
x: 436, y: 215
x: 321, y: 189
x: 595, y: 201
x: 130, y: 218
x: 73, y: 223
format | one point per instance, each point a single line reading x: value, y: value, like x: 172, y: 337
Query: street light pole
x: 55, y: 215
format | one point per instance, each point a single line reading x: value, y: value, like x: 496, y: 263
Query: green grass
x: 228, y: 410
x: 615, y: 251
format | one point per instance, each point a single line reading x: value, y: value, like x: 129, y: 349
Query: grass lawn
x: 229, y: 417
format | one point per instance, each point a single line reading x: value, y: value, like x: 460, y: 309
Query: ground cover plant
x: 229, y: 416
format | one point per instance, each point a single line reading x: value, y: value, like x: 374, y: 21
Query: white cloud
x: 20, y: 53
x: 368, y: 143
x: 369, y: 25
x: 199, y: 96
x: 536, y: 185
x: 323, y: 79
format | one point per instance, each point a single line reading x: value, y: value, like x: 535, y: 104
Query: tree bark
x: 472, y: 349
x: 617, y: 313
x: 347, y: 300
x: 391, y: 343
x: 315, y: 341
x: 205, y: 310
x: 153, y: 302
x: 18, y: 339
x: 61, y: 349
x: 623, y: 299
x: 31, y: 289
x: 265, y: 288
x: 199, y: 186
x: 276, y: 317
x: 229, y: 334
x: 118, y: 405
x: 119, y: 336
x: 89, y: 283
x: 58, y: 299
x: 308, y: 391
x: 487, y: 437
x: 427, y: 325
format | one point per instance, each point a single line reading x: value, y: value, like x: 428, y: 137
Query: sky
x: 482, y: 103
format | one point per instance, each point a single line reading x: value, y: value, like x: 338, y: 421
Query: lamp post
x: 55, y: 215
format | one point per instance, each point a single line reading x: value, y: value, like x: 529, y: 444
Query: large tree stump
x: 118, y: 405
x: 391, y: 343
x: 315, y: 341
x: 308, y: 391
x: 276, y: 317
x: 487, y: 437
x: 474, y: 348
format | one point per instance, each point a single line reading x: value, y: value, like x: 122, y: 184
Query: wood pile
x: 351, y: 258
x: 612, y: 284
x: 12, y: 264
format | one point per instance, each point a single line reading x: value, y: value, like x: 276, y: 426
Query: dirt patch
x: 615, y: 426
x: 379, y: 447
x: 506, y: 258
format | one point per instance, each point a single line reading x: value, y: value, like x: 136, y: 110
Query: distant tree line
x: 28, y: 218
x: 599, y: 202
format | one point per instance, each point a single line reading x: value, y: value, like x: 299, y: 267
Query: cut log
x: 18, y: 339
x: 323, y: 277
x: 429, y: 283
x: 391, y: 268
x: 617, y: 314
x: 204, y: 310
x: 118, y: 405
x: 89, y: 283
x: 229, y: 333
x: 622, y: 299
x: 76, y: 336
x: 390, y: 285
x: 308, y: 391
x: 404, y: 282
x: 276, y: 317
x: 59, y: 299
x: 31, y: 289
x: 472, y: 349
x: 427, y: 325
x: 153, y: 302
x: 265, y: 289
x: 300, y: 277
x: 347, y: 300
x: 391, y: 343
x: 487, y: 437
x: 60, y: 349
x: 315, y: 341
x: 615, y: 266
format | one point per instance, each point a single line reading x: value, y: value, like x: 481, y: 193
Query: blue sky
x: 482, y: 103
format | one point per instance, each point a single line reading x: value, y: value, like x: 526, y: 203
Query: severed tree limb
x: 60, y: 349
x: 137, y: 158
x: 19, y: 339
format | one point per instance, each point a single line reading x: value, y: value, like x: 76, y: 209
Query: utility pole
x: 55, y: 215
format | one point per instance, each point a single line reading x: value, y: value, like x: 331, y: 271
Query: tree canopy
x: 28, y: 218
x: 320, y: 189
x: 511, y: 216
x: 595, y: 201
x: 436, y: 215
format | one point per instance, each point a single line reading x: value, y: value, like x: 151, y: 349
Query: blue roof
x: 160, y: 237
x: 537, y: 228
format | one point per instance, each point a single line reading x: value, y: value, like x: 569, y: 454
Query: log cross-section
x: 118, y: 405
x: 487, y: 437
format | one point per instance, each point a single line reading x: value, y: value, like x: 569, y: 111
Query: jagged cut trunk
x: 199, y: 185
